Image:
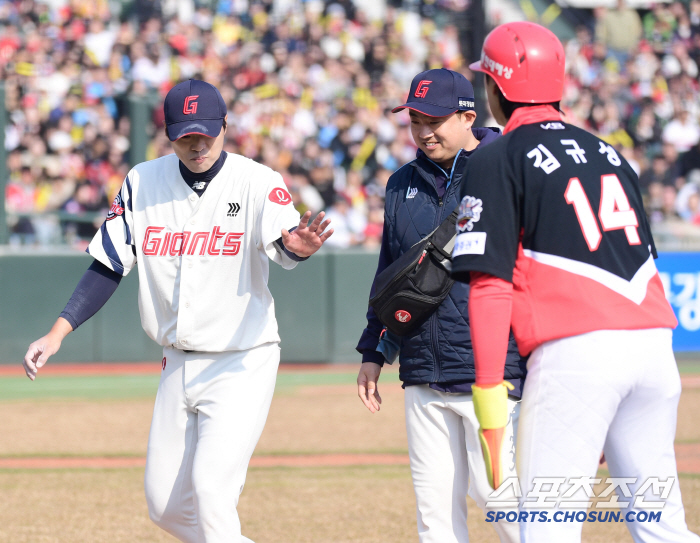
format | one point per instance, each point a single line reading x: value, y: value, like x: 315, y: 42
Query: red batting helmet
x: 526, y: 61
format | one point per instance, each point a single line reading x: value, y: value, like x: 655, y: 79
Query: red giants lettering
x: 151, y: 246
x: 159, y: 243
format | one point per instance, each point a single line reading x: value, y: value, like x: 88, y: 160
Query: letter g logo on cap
x: 422, y: 89
x: 190, y: 105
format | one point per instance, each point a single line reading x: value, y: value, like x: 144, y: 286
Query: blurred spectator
x: 682, y: 132
x: 19, y: 198
x: 348, y: 224
x: 620, y: 29
x: 689, y: 162
x: 659, y: 26
x: 309, y: 86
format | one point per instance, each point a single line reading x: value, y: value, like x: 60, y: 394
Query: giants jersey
x: 203, y: 260
x: 557, y: 212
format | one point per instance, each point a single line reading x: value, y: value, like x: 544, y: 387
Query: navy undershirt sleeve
x: 96, y: 286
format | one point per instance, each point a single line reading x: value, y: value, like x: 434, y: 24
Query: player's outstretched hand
x: 307, y: 238
x: 40, y: 351
x: 367, y: 388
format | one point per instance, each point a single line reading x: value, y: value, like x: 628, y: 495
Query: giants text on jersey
x: 203, y: 268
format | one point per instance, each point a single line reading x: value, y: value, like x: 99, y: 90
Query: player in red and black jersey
x: 553, y: 238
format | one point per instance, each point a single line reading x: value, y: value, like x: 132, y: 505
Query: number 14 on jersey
x: 614, y: 211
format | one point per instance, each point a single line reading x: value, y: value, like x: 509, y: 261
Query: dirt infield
x: 337, y: 430
x: 687, y: 459
x: 288, y: 461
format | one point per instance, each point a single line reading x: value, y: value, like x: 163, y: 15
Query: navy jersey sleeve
x: 488, y: 225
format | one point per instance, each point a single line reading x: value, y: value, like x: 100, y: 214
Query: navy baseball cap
x: 194, y: 107
x: 439, y: 93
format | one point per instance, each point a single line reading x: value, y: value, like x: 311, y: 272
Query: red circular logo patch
x: 163, y: 363
x: 402, y: 316
x: 280, y: 196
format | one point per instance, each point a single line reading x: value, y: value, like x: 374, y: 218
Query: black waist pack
x: 409, y: 290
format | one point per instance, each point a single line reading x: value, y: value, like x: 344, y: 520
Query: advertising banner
x: 680, y: 274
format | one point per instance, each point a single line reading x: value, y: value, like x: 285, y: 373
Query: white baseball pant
x: 447, y: 464
x: 611, y: 390
x: 209, y: 413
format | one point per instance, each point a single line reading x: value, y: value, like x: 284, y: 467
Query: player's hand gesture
x: 40, y: 351
x: 367, y: 388
x: 307, y: 238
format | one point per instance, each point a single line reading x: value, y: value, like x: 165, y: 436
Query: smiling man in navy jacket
x: 436, y: 361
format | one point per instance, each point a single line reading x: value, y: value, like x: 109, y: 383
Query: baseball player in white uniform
x: 202, y: 224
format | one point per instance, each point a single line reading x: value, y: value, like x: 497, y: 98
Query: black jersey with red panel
x: 556, y: 211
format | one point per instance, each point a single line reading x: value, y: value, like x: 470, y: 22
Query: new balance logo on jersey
x: 233, y: 209
x: 214, y: 243
x: 199, y: 185
x: 552, y: 126
x: 411, y: 192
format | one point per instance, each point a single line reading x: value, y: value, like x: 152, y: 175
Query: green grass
x: 688, y: 364
x: 111, y: 387
x: 294, y: 380
x: 84, y: 387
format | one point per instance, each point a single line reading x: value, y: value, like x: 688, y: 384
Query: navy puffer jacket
x: 440, y: 351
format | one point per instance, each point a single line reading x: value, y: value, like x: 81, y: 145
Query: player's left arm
x: 307, y: 238
x: 484, y: 255
x: 490, y: 306
x: 280, y: 233
x: 94, y: 289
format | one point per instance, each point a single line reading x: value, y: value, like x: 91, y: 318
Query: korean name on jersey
x: 558, y: 212
x: 203, y: 270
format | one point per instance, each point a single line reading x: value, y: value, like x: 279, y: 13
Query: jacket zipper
x: 434, y: 347
x: 437, y: 368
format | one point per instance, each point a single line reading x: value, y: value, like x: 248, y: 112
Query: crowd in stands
x: 633, y: 81
x: 309, y: 87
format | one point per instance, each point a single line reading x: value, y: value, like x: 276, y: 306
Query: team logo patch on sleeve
x: 469, y: 212
x: 117, y: 208
x: 280, y: 196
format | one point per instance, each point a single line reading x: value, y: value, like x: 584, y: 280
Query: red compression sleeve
x: 490, y: 303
